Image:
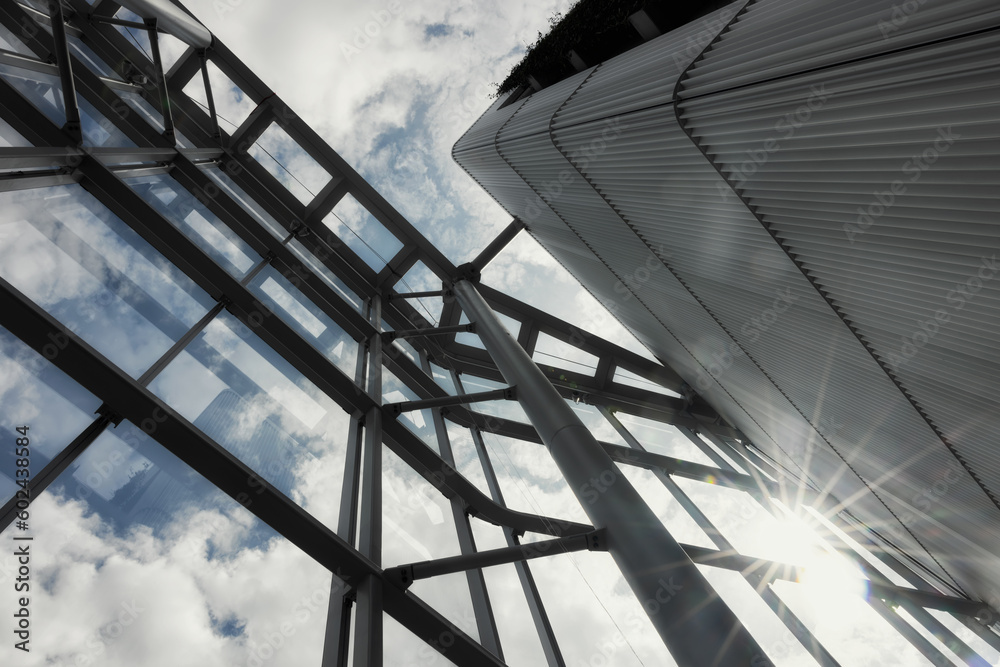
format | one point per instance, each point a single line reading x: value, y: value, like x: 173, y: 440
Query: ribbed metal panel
x: 629, y: 197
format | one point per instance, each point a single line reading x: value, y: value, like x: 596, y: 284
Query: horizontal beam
x: 404, y: 575
x: 430, y: 331
x: 505, y: 394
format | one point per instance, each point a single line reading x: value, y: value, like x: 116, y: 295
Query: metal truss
x: 362, y: 589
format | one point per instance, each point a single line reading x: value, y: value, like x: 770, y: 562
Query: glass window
x: 11, y: 138
x: 140, y: 550
x: 37, y: 395
x: 237, y: 194
x: 288, y: 162
x: 10, y: 42
x: 597, y: 424
x: 311, y: 262
x: 421, y: 279
x: 360, y: 231
x: 463, y: 449
x: 550, y: 351
x: 288, y: 303
x: 442, y: 377
x: 660, y: 438
x: 419, y: 422
x: 87, y: 56
x: 232, y: 105
x: 71, y: 256
x: 630, y: 379
x: 194, y: 220
x: 243, y: 395
x: 418, y: 525
x: 530, y: 480
x: 402, y: 647
x: 511, y: 410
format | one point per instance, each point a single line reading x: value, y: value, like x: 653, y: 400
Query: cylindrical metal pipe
x: 172, y: 20
x: 695, y: 624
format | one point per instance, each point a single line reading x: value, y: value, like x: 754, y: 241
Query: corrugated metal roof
x: 729, y: 220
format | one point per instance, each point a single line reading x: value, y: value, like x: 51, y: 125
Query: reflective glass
x: 467, y: 462
x: 10, y: 42
x: 288, y: 162
x: 472, y: 340
x: 595, y: 422
x: 675, y: 518
x: 421, y: 279
x: 419, y: 422
x: 660, y: 438
x: 237, y: 194
x: 838, y: 616
x: 87, y: 56
x: 295, y: 309
x: 442, y: 377
x: 530, y: 480
x: 194, y: 220
x: 243, y: 395
x: 773, y: 636
x: 37, y: 395
x: 518, y: 637
x: 137, y: 559
x: 73, y: 257
x: 11, y: 138
x: 360, y: 231
x: 630, y: 379
x: 511, y: 410
x: 45, y: 92
x: 418, y: 525
x: 232, y: 105
x: 311, y: 262
x: 550, y: 351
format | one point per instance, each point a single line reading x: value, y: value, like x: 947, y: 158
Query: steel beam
x: 506, y: 394
x: 697, y: 627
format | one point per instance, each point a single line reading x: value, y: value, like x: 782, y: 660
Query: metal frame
x: 362, y: 590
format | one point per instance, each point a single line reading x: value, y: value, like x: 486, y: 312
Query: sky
x: 391, y: 87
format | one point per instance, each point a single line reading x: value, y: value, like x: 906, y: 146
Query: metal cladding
x: 794, y: 205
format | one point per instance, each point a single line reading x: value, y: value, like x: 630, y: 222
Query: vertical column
x: 697, y: 627
x: 368, y: 626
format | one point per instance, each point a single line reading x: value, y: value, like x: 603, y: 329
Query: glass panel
x: 10, y: 42
x: 311, y: 262
x: 530, y: 480
x: 93, y: 62
x: 361, y: 232
x: 289, y: 163
x: 36, y: 394
x: 11, y: 138
x: 463, y: 448
x: 673, y: 515
x: 518, y: 637
x: 550, y: 351
x: 472, y: 340
x: 232, y: 105
x: 418, y: 525
x: 511, y: 410
x: 194, y: 220
x: 772, y: 635
x: 968, y: 636
x: 630, y: 379
x: 296, y: 310
x: 846, y: 625
x: 42, y: 90
x: 602, y: 622
x: 597, y: 424
x: 71, y: 256
x: 235, y: 192
x: 419, y: 422
x: 242, y: 394
x: 722, y: 453
x: 137, y: 36
x: 140, y: 550
x: 421, y: 279
x: 443, y: 379
x: 663, y: 439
